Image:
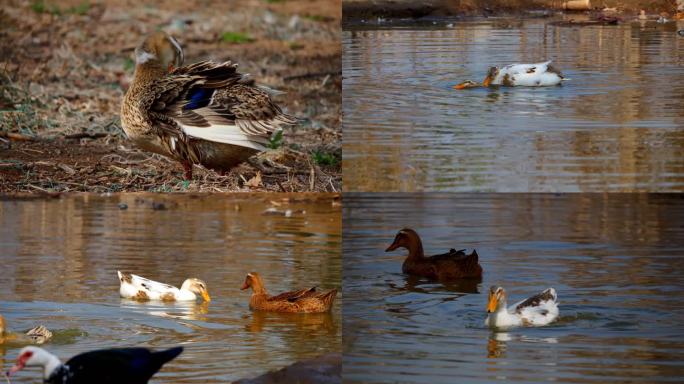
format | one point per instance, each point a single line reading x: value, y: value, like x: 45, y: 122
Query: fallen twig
x: 17, y: 136
x: 84, y: 135
x: 313, y: 74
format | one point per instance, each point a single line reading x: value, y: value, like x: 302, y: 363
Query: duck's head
x: 197, y: 287
x: 253, y: 280
x: 159, y: 50
x: 497, y: 299
x: 467, y: 84
x: 2, y: 325
x: 35, y: 357
x: 406, y: 238
x: 491, y: 74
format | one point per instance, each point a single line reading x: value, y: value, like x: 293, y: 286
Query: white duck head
x: 36, y: 357
x: 197, y: 287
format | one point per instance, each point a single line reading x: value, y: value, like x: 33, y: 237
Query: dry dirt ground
x: 64, y: 67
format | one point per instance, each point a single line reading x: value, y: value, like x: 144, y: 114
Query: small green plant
x: 276, y: 140
x: 41, y: 6
x: 295, y: 46
x: 236, y: 37
x: 80, y: 9
x: 318, y: 18
x: 129, y: 64
x: 38, y: 6
x: 323, y: 158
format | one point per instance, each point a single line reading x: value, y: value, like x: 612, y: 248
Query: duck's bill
x: 391, y: 247
x: 491, y: 305
x: 206, y: 297
x: 487, y: 81
x: 244, y: 286
x: 460, y: 86
x: 16, y: 368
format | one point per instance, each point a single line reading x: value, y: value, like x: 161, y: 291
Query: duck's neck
x: 415, y: 250
x: 51, y: 364
x: 147, y: 73
x: 258, y: 288
x: 500, y: 316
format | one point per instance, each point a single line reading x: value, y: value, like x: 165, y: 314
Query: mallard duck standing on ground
x: 205, y: 113
x: 306, y: 300
x: 538, y: 310
x: 525, y: 75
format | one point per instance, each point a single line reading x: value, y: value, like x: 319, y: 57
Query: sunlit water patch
x: 60, y: 256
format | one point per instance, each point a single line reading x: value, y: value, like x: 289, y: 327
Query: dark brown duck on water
x: 448, y: 266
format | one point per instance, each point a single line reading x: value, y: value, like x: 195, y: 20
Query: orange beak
x: 205, y: 296
x: 459, y: 86
x: 487, y: 81
x: 492, y: 304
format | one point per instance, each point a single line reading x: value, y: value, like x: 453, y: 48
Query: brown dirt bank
x: 64, y: 66
x: 368, y: 9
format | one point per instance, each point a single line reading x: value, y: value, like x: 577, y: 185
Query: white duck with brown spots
x: 538, y: 310
x: 139, y: 288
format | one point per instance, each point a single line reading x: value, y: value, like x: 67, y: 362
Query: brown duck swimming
x: 37, y: 335
x: 301, y: 301
x: 448, y: 266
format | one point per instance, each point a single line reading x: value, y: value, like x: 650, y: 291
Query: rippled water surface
x: 59, y: 260
x: 617, y: 125
x: 617, y: 262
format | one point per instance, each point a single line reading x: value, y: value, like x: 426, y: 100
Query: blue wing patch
x: 198, y: 98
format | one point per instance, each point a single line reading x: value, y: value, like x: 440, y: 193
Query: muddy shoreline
x: 354, y: 11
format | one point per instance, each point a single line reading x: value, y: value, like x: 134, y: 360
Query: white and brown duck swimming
x: 536, y: 311
x: 525, y: 75
x: 448, y: 266
x: 139, y: 288
x: 205, y: 113
x: 306, y: 300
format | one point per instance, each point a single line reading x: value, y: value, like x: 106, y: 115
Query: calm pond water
x: 616, y: 261
x: 59, y: 261
x: 618, y: 125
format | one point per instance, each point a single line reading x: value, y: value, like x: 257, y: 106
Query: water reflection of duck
x: 37, y: 335
x: 537, y: 310
x: 306, y: 300
x: 312, y: 322
x: 106, y: 366
x: 448, y: 266
x: 526, y: 75
x: 415, y: 284
x: 139, y: 288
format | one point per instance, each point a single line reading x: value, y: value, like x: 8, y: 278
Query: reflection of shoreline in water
x: 179, y: 310
x: 308, y: 321
x: 497, y: 343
